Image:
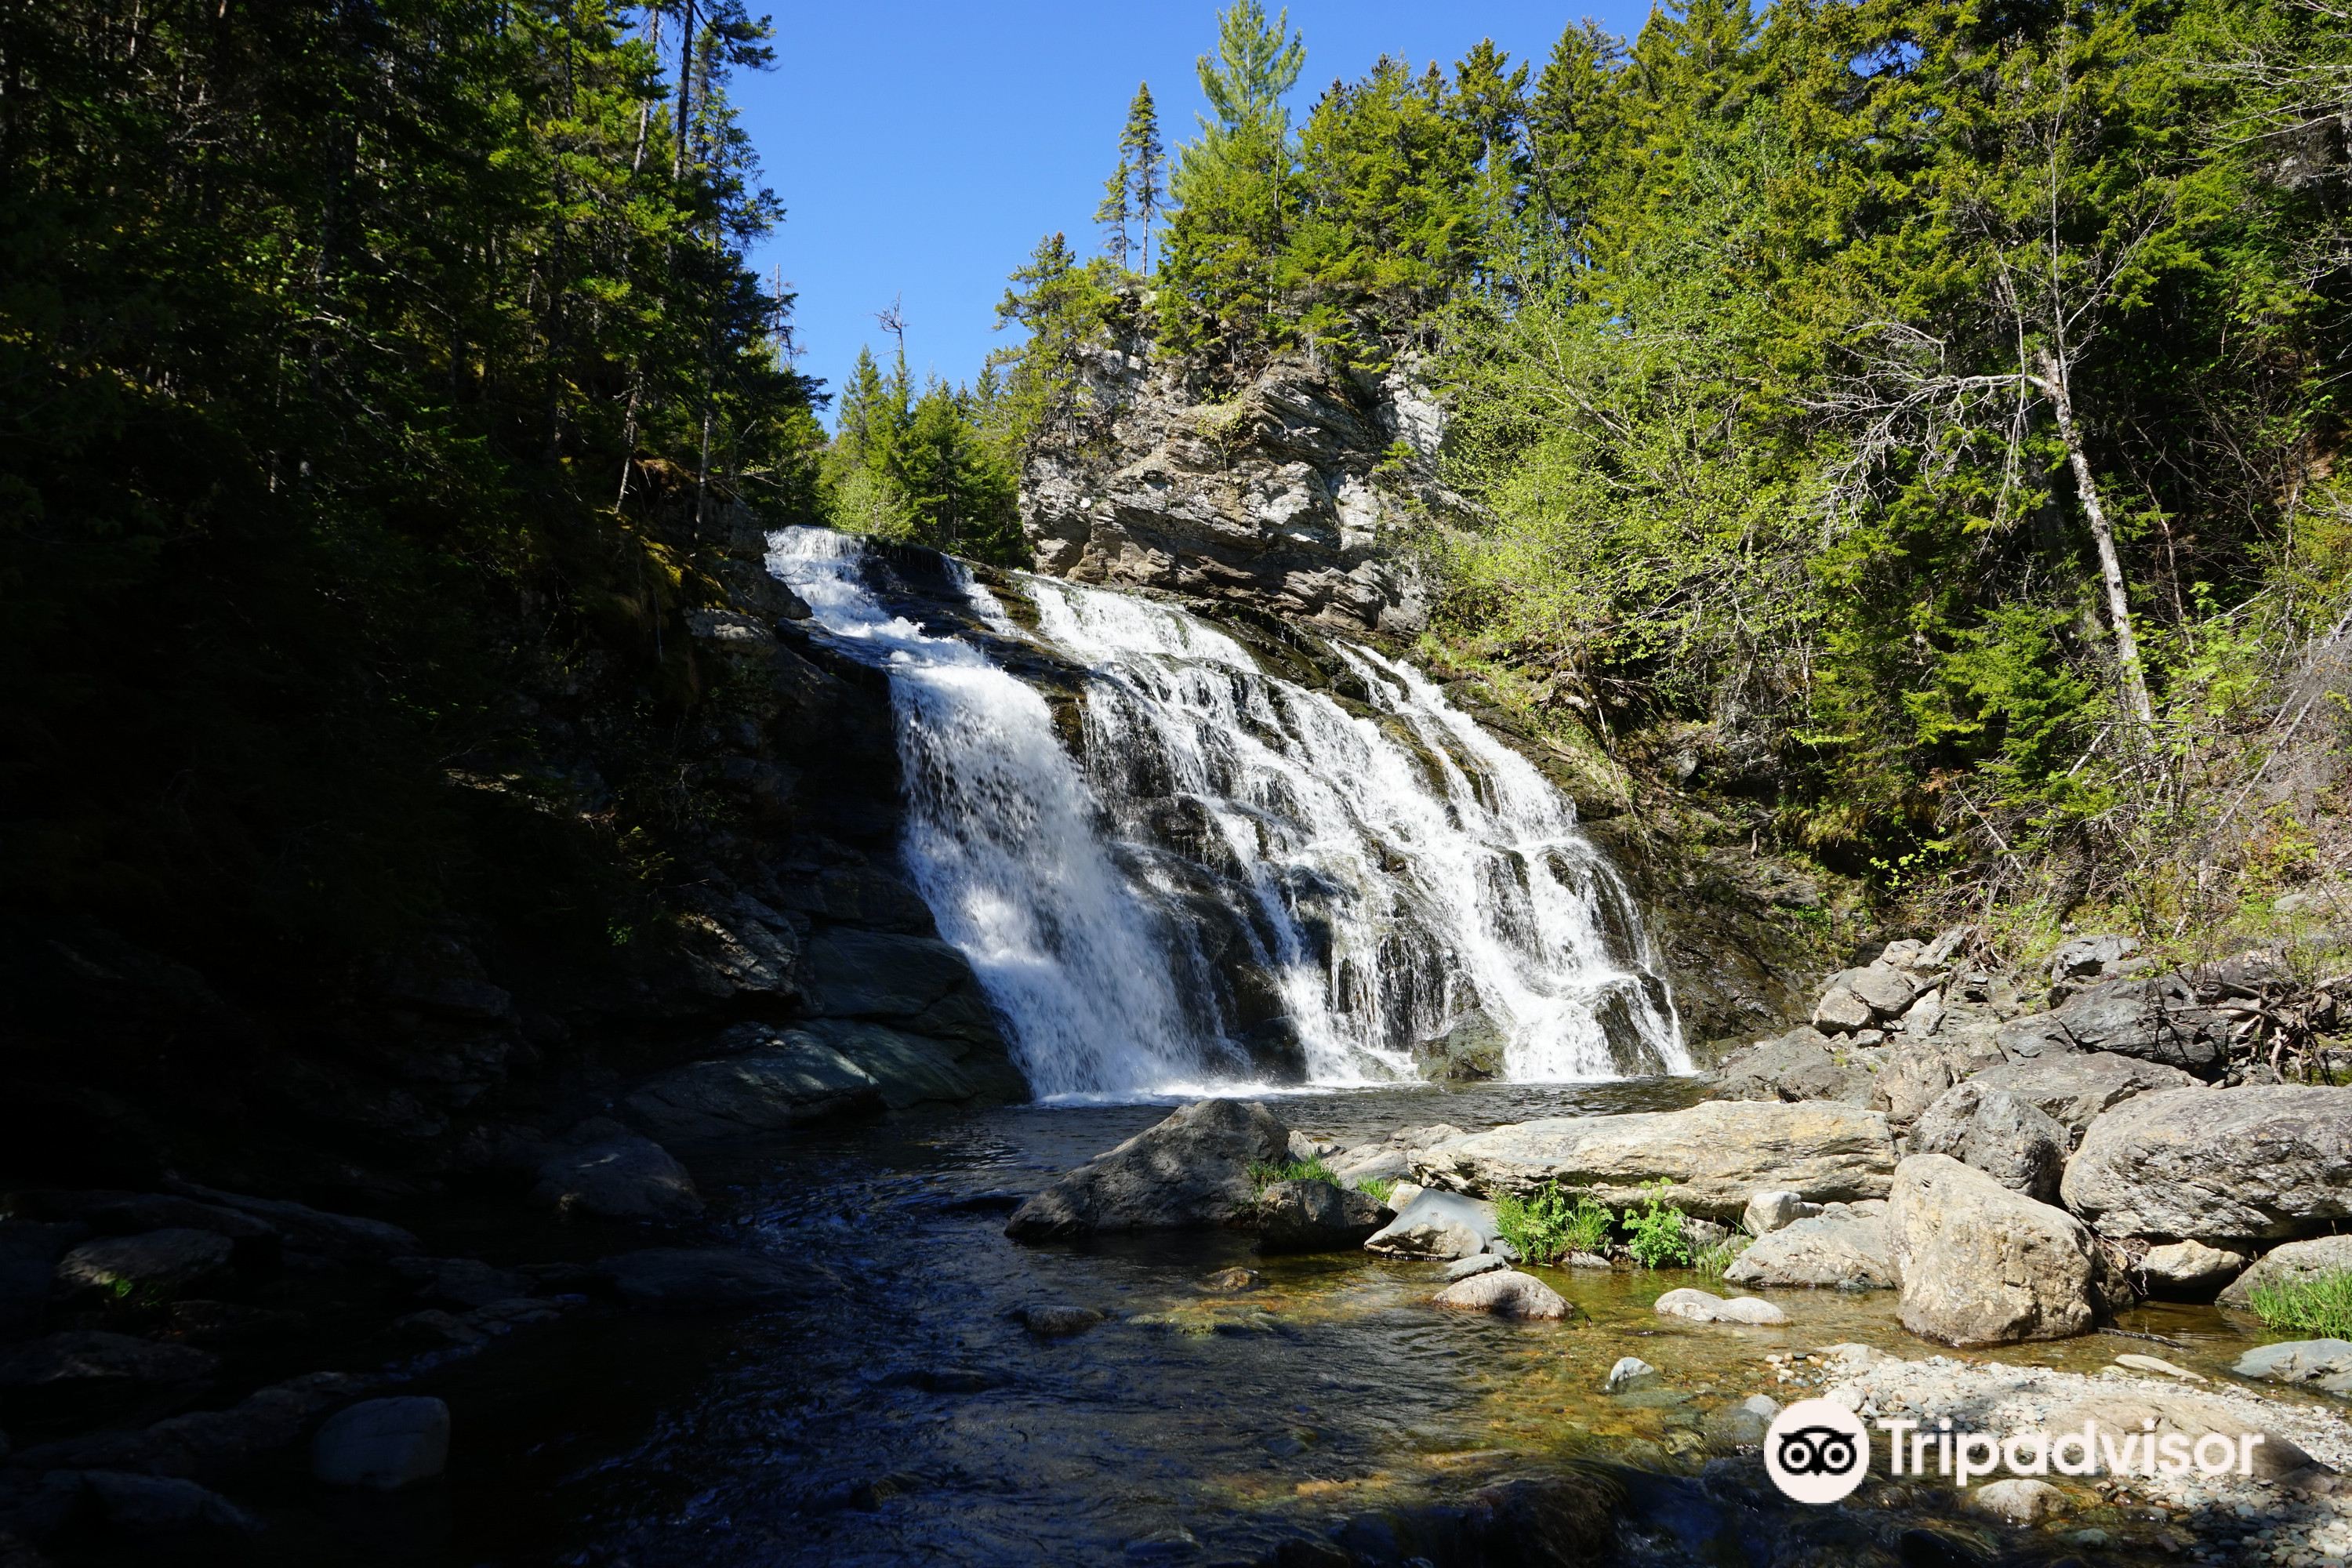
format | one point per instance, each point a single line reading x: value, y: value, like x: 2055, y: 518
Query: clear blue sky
x: 922, y: 148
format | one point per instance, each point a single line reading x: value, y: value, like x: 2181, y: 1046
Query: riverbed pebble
x: 1702, y: 1307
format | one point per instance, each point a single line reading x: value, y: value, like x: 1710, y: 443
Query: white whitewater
x: 1235, y: 868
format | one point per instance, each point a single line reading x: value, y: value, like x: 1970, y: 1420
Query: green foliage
x: 1654, y: 1237
x: 2321, y: 1306
x: 1376, y: 1188
x: 1265, y: 1173
x: 924, y: 468
x: 1549, y: 1224
x: 360, y: 365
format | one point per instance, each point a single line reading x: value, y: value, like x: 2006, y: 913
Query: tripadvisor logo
x: 1817, y: 1451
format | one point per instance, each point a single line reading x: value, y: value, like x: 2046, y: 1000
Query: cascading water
x: 1237, y: 875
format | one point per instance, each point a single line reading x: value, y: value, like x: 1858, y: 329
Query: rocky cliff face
x: 1289, y: 496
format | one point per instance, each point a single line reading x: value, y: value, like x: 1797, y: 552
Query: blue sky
x: 921, y: 148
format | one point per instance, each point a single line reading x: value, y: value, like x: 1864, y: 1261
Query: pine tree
x: 1145, y: 160
x: 1112, y: 213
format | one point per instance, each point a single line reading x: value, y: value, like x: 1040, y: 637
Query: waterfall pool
x: 897, y: 1414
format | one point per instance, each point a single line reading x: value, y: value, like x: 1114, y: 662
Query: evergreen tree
x: 1112, y: 212
x: 1145, y: 160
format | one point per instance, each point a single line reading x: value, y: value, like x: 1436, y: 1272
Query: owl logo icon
x: 1816, y: 1451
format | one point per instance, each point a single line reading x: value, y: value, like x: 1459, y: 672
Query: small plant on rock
x: 1655, y: 1235
x: 1549, y: 1224
x: 2321, y: 1305
x: 1376, y: 1188
x: 1264, y: 1173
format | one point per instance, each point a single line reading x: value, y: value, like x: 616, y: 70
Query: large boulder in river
x: 2217, y: 1164
x: 602, y: 1168
x: 2000, y: 1132
x: 2157, y: 1019
x: 1979, y: 1264
x: 788, y: 1080
x: 2297, y: 1263
x: 1316, y: 1217
x: 1193, y: 1169
x: 1712, y: 1156
x: 1838, y: 1250
x: 1506, y: 1293
x: 1436, y: 1224
x: 2073, y: 1087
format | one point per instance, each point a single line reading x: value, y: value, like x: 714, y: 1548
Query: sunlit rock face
x: 1285, y: 496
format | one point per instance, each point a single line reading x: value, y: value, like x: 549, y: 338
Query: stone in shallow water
x: 1315, y: 1216
x: 2020, y: 1499
x: 1190, y: 1170
x: 1058, y: 1320
x: 1230, y: 1282
x: 2189, y: 1270
x: 1506, y: 1294
x: 2134, y: 1362
x: 1469, y: 1268
x: 1702, y: 1307
x: 2297, y: 1361
x: 1437, y: 1224
x: 1631, y: 1372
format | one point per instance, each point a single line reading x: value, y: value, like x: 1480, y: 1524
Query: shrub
x: 1548, y: 1224
x: 2321, y: 1305
x: 1655, y: 1235
x: 1264, y: 1173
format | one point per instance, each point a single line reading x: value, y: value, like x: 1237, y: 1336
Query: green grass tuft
x: 1265, y: 1173
x: 1548, y: 1224
x: 2320, y: 1306
x: 1376, y: 1188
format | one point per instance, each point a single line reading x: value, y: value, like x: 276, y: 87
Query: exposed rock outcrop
x: 1980, y: 1264
x: 1193, y: 1169
x: 2217, y: 1164
x: 1279, y: 497
x: 1712, y: 1156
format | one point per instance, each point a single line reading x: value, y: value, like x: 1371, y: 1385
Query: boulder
x: 1712, y: 1156
x: 2157, y: 1019
x: 1769, y: 1211
x: 1464, y: 1267
x: 1740, y: 1425
x: 257, y: 1241
x: 1058, y: 1320
x: 2297, y: 1263
x: 2073, y: 1087
x: 1190, y: 1170
x: 89, y: 1354
x: 1436, y: 1224
x: 2090, y: 958
x: 1506, y: 1293
x: 2133, y: 1413
x: 1980, y: 1264
x: 606, y: 1169
x: 696, y: 1280
x: 1836, y: 1252
x: 1315, y: 1216
x: 2217, y: 1164
x: 1465, y: 1049
x: 913, y: 1069
x: 1388, y: 1159
x: 307, y: 1229
x: 1842, y: 1010
x: 1800, y: 1065
x: 156, y: 1267
x: 1998, y: 1132
x: 1705, y: 1307
x: 2021, y: 1500
x: 1631, y: 1372
x: 2188, y: 1270
x: 2327, y: 1362
x: 382, y: 1444
x: 791, y: 1080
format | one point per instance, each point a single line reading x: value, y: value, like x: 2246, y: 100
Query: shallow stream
x: 897, y: 1414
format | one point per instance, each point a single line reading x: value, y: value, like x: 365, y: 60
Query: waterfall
x: 1226, y: 873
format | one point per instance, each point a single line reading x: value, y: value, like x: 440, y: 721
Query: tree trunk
x: 2052, y: 380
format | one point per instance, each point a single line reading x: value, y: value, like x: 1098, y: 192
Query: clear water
x: 1224, y: 872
